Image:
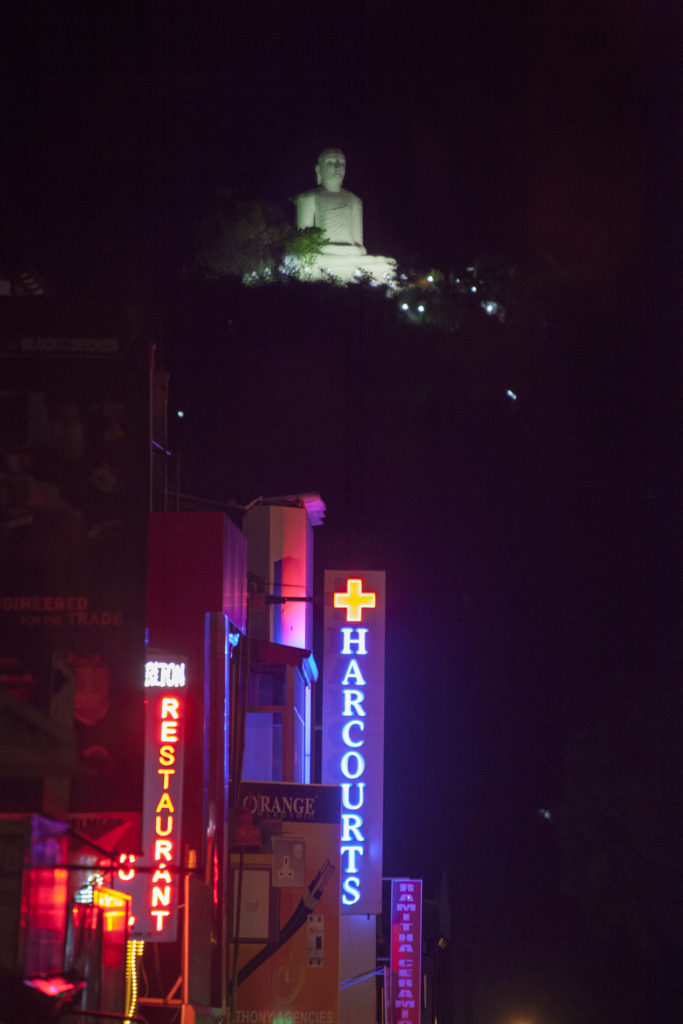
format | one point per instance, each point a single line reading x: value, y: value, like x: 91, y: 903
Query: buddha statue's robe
x: 339, y: 214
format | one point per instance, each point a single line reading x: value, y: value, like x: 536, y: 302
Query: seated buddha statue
x: 340, y: 215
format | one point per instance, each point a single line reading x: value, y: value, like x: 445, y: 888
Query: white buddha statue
x: 340, y: 215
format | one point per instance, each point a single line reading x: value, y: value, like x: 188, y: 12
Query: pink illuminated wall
x: 280, y: 547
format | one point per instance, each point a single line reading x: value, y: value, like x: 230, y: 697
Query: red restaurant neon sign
x: 156, y: 889
x: 167, y: 796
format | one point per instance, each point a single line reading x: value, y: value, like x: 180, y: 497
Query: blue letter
x: 359, y: 764
x: 351, y: 891
x: 347, y: 730
x: 348, y: 640
x: 352, y: 702
x: 353, y: 674
x: 346, y: 796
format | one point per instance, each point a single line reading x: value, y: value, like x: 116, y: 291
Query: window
x: 277, y: 734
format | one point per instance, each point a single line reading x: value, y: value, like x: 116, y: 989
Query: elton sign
x: 353, y: 728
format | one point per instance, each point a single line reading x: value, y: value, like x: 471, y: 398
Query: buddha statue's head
x: 330, y: 169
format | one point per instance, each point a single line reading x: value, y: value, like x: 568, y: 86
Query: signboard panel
x: 353, y: 727
x: 406, y: 944
x: 153, y: 880
x: 74, y: 499
x: 285, y: 900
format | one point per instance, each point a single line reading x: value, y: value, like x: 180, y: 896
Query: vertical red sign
x: 156, y: 889
x: 406, y: 944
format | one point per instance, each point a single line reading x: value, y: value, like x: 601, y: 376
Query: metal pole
x: 186, y: 940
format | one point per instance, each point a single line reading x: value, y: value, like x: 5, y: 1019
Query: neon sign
x: 167, y: 797
x: 126, y: 871
x: 164, y: 673
x: 115, y: 908
x: 406, y: 945
x: 353, y: 728
x: 354, y: 600
x: 156, y: 889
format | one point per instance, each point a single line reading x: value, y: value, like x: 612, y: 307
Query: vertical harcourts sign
x: 353, y: 728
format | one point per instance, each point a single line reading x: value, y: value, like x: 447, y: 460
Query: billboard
x: 403, y: 996
x: 353, y: 727
x: 285, y: 903
x: 74, y: 500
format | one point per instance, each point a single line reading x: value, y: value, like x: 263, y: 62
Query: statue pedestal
x: 347, y: 266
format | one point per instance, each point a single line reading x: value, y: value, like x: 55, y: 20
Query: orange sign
x: 285, y: 904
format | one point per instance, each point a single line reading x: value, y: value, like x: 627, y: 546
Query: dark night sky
x: 522, y: 544
x: 486, y: 125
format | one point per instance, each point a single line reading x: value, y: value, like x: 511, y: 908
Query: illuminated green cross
x: 354, y: 600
